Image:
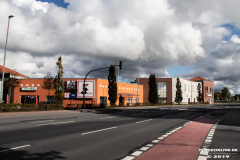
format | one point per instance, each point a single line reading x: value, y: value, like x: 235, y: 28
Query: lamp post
x: 118, y: 71
x: 4, y: 60
x: 138, y: 78
x: 191, y: 89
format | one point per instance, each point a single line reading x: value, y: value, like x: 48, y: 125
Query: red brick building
x: 167, y: 88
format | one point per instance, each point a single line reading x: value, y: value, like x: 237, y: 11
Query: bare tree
x: 48, y: 82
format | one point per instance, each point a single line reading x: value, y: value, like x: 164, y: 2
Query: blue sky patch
x: 180, y: 70
x: 232, y: 28
x: 59, y: 3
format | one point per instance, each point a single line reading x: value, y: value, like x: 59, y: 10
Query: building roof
x: 7, y: 70
x: 199, y: 79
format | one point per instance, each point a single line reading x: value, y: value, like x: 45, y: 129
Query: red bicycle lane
x: 181, y: 145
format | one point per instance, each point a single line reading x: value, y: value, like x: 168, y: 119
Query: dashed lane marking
x: 55, y: 123
x: 98, y: 130
x: 144, y: 121
x: 16, y: 148
x: 107, y: 117
x: 41, y: 121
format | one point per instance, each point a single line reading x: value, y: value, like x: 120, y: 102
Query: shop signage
x: 71, y: 85
x: 90, y: 85
x: 29, y: 88
x: 73, y: 95
x: 66, y: 95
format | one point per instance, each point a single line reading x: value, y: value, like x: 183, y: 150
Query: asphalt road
x: 101, y: 135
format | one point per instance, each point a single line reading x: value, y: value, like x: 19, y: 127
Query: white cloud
x: 97, y: 33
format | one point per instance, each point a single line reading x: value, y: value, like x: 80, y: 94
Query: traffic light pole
x: 86, y: 78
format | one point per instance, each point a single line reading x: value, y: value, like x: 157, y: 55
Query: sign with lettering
x: 90, y: 88
x: 29, y: 88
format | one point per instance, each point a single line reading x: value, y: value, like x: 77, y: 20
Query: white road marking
x: 149, y: 145
x: 55, y: 123
x: 144, y: 148
x: 137, y: 153
x: 99, y: 130
x: 41, y: 121
x: 144, y: 121
x: 128, y: 158
x: 155, y: 141
x: 89, y: 116
x: 107, y: 117
x: 16, y: 148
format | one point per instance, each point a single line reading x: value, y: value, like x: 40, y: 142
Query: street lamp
x: 1, y: 98
x: 138, y: 78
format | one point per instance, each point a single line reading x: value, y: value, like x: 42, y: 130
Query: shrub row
x: 28, y: 107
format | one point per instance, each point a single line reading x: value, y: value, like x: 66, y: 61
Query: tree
x: 153, y: 92
x: 112, y: 86
x: 12, y: 82
x: 200, y: 96
x: 237, y: 96
x: 48, y: 82
x: 225, y: 93
x: 178, y: 97
x: 58, y: 83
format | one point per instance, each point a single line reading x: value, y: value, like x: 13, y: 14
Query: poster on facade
x: 66, y: 95
x: 90, y: 87
x: 71, y: 85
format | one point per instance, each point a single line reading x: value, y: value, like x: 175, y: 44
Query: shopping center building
x: 167, y: 89
x: 30, y: 90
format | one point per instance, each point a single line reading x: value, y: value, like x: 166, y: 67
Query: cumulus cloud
x: 96, y: 33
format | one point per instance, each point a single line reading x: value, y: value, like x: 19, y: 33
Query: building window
x: 38, y: 85
x: 192, y: 88
x: 100, y: 85
x: 188, y: 88
x: 32, y: 85
x: 21, y: 84
x: 185, y: 87
x: 129, y: 101
x: 162, y: 91
x: 26, y: 84
x: 136, y: 100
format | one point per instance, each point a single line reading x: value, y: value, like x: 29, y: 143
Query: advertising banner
x: 29, y: 88
x: 71, y: 85
x: 90, y: 87
x: 66, y: 95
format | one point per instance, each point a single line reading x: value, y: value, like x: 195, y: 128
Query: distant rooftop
x: 7, y: 70
x: 199, y: 79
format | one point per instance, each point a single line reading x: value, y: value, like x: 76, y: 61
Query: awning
x: 126, y: 94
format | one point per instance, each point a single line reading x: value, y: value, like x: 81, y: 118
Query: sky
x: 173, y: 38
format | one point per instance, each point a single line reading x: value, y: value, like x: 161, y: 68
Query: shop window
x: 136, y: 100
x: 129, y: 101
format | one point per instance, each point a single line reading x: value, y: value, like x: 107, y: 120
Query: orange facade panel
x: 32, y: 88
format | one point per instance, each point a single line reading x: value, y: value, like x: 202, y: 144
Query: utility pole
x: 138, y: 79
x: 191, y: 88
x: 118, y: 71
x: 1, y: 98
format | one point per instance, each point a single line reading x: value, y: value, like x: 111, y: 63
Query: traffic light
x: 120, y: 65
x: 84, y: 91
